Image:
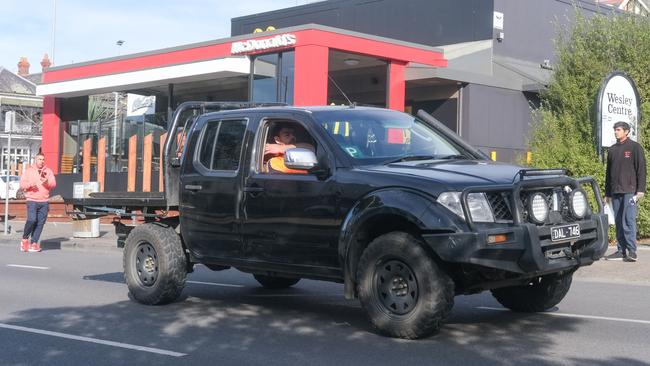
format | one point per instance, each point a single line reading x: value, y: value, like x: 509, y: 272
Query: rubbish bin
x: 85, y: 228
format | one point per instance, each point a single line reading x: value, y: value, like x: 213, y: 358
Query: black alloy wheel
x: 396, y: 286
x: 146, y: 263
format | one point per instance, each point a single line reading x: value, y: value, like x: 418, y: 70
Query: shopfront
x: 98, y: 104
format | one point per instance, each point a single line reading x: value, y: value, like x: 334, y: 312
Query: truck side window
x: 222, y: 144
x: 282, y: 135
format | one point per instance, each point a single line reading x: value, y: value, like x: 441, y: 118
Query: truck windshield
x: 382, y: 136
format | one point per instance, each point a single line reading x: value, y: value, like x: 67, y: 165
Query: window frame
x: 199, y: 166
x: 263, y: 131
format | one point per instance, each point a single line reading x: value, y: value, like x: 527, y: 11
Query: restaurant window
x: 272, y: 78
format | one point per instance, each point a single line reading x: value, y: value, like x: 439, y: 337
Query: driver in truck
x: 284, y: 138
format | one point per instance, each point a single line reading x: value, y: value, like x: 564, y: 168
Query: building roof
x: 11, y: 83
x: 36, y: 78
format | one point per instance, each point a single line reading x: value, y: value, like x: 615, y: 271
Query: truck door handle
x: 253, y: 189
x: 193, y: 187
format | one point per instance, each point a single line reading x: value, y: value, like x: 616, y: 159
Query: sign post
x: 618, y: 101
x: 10, y: 118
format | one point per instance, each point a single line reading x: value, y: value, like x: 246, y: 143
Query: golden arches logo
x: 270, y: 28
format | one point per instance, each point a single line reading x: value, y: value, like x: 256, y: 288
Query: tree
x: 563, y: 133
x: 28, y: 120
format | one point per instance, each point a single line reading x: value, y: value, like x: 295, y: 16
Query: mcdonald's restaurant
x: 477, y: 66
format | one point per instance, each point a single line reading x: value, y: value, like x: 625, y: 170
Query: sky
x: 89, y: 30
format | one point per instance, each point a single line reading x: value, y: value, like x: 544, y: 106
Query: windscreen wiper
x: 411, y: 158
x: 453, y: 156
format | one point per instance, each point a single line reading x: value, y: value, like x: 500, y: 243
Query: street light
x: 119, y: 43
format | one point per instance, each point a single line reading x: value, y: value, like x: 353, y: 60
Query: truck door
x: 210, y: 188
x: 290, y: 218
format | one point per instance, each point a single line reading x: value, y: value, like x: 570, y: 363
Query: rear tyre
x: 155, y: 266
x: 275, y: 282
x: 403, y: 291
x: 540, y: 294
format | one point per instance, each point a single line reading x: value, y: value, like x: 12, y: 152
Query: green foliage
x: 563, y: 131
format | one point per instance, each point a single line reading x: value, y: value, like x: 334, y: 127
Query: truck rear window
x: 221, y: 144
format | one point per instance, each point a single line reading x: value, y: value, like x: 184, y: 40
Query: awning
x: 149, y: 78
x: 533, y: 76
x: 21, y: 101
x: 474, y: 62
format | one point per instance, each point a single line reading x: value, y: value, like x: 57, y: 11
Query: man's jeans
x: 36, y: 216
x: 625, y: 212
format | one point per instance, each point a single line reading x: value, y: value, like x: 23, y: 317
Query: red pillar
x: 310, y: 82
x: 396, y: 85
x: 51, y: 143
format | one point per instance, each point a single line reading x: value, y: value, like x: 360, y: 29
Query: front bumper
x: 528, y: 250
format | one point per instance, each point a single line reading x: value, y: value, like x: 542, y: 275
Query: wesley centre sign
x: 618, y: 100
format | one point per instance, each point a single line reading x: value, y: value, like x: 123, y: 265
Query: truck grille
x: 556, y: 201
x: 500, y: 206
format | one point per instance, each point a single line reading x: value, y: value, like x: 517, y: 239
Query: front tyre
x: 540, y: 294
x: 155, y: 266
x: 404, y: 293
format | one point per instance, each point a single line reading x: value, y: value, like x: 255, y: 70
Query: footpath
x: 58, y: 236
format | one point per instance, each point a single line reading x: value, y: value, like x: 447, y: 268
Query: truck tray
x: 121, y: 199
x: 118, y: 203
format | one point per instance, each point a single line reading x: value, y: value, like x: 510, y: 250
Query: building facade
x: 20, y: 118
x: 476, y: 65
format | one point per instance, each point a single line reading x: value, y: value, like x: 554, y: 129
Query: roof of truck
x: 300, y: 109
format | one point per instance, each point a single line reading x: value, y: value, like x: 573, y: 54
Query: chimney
x: 45, y: 62
x: 23, y: 66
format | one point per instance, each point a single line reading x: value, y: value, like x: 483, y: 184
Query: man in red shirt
x: 36, y: 182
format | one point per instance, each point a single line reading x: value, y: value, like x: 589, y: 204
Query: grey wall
x: 530, y: 26
x: 426, y: 22
x: 496, y: 117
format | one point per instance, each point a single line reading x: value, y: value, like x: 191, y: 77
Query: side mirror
x: 300, y: 158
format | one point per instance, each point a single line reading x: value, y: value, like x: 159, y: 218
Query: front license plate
x: 566, y: 232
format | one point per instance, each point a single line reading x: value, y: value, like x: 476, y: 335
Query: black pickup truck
x: 397, y: 208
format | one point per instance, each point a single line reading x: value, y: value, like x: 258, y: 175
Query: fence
x: 99, y: 161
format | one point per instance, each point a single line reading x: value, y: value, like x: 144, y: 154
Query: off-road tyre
x: 403, y: 291
x: 540, y: 294
x: 155, y: 266
x: 275, y: 282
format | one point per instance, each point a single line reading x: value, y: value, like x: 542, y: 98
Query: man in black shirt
x: 624, y: 187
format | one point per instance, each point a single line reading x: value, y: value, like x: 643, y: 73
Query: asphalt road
x: 69, y: 307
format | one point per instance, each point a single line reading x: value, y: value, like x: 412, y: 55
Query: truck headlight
x: 537, y: 208
x: 578, y: 203
x: 479, y: 208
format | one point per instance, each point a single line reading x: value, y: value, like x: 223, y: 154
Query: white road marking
x: 566, y: 315
x: 214, y: 284
x: 23, y: 266
x: 93, y: 340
